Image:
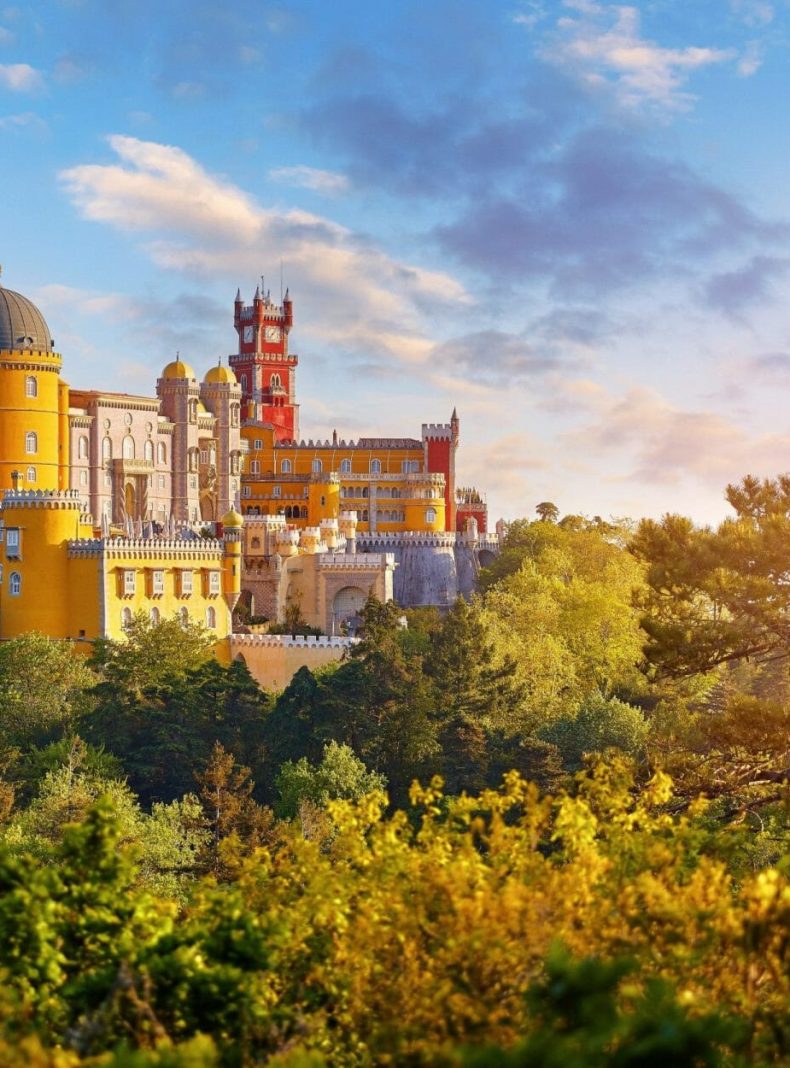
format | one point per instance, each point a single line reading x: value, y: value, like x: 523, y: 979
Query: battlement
x: 240, y: 642
x: 357, y: 562
x: 172, y: 548
x: 408, y: 539
x: 71, y: 499
x: 437, y: 432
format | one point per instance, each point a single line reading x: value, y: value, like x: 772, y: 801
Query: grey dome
x: 22, y: 326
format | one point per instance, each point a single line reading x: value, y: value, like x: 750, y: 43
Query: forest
x: 546, y: 828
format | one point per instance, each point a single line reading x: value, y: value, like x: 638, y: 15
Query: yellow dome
x: 202, y: 409
x: 178, y: 369
x: 232, y: 519
x: 222, y: 375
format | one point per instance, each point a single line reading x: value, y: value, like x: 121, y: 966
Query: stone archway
x: 130, y: 500
x: 347, y: 604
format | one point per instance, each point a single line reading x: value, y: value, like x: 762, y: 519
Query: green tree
x: 716, y: 596
x: 600, y: 724
x: 548, y: 512
x: 340, y: 774
x: 43, y: 689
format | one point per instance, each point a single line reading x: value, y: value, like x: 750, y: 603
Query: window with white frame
x: 234, y: 414
x: 129, y: 582
x: 257, y: 443
x: 187, y: 580
x: 106, y: 450
x: 148, y: 451
x: 161, y: 482
x: 345, y: 466
x: 157, y: 583
x: 317, y: 467
x: 15, y: 584
x: 83, y: 478
x: 430, y: 515
x: 277, y: 491
x: 204, y: 456
x: 12, y: 541
x: 255, y: 467
x: 31, y: 474
x: 286, y: 467
x: 82, y: 448
x: 31, y: 386
x: 126, y: 618
x: 31, y: 443
x: 214, y: 583
x: 375, y: 467
x: 211, y: 617
x: 161, y: 451
x: 275, y: 382
x: 127, y: 449
x: 107, y: 478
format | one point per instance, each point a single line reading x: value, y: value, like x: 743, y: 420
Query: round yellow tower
x: 35, y: 591
x: 32, y: 399
x: 232, y: 530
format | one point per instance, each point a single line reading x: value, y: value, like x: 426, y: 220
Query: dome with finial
x: 22, y: 326
x: 178, y: 369
x: 232, y: 519
x: 221, y: 375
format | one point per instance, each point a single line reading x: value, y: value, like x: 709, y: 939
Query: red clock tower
x: 265, y: 369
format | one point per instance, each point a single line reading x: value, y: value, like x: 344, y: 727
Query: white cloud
x: 753, y: 12
x: 667, y: 445
x: 28, y: 120
x: 602, y: 43
x: 751, y: 60
x: 20, y: 78
x: 205, y: 226
x: 328, y: 183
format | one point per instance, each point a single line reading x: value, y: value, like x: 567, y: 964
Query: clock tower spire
x: 264, y: 367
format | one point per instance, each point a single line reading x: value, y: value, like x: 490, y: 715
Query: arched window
x: 148, y: 451
x: 395, y: 492
x: 211, y: 617
x: 345, y: 466
x: 275, y: 382
x: 31, y: 386
x: 317, y: 467
x: 255, y: 467
x: 31, y: 443
x: 126, y: 618
x: 365, y: 493
x: 15, y: 584
x: 127, y: 449
x: 154, y: 615
x: 183, y: 616
x: 82, y: 448
x: 106, y: 450
x: 192, y: 409
x: 430, y: 515
x: 31, y: 474
x: 286, y: 467
x: 303, y: 513
x: 375, y: 467
x: 234, y: 414
x: 364, y: 515
x: 161, y: 452
x: 243, y: 382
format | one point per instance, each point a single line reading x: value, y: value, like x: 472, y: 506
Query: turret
x: 232, y: 530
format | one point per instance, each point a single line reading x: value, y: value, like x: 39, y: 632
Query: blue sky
x: 568, y: 219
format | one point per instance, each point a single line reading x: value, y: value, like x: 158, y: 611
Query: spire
x: 257, y: 293
x: 238, y: 296
x: 287, y: 293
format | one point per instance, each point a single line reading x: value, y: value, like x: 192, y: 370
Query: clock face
x: 249, y: 332
x: 272, y: 333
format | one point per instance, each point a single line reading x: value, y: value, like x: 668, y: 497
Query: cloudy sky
x: 571, y: 220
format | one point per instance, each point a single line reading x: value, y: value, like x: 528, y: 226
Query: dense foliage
x: 196, y: 873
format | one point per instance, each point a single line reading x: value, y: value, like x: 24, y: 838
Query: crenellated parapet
x: 171, y: 549
x: 240, y: 642
x: 68, y: 499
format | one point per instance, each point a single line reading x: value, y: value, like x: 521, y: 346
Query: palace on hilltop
x: 204, y: 494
